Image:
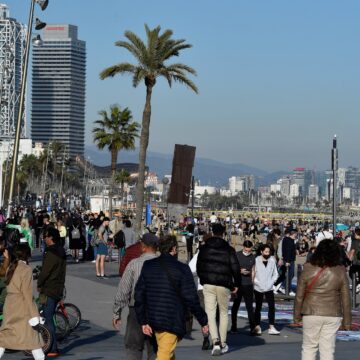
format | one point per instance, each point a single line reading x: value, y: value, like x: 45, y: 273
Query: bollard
x: 354, y: 291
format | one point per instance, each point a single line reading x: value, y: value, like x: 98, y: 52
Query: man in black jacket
x: 164, y: 291
x: 219, y: 272
x: 51, y: 280
x: 289, y: 257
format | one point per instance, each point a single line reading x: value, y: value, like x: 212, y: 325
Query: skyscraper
x: 58, y: 88
x: 12, y: 49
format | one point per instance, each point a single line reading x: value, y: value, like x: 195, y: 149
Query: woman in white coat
x: 264, y: 278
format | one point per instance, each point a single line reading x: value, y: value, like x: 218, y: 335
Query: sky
x: 277, y: 79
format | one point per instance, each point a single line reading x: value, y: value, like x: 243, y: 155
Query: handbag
x: 188, y: 315
x: 313, y: 282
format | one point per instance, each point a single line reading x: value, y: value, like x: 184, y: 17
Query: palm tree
x: 151, y: 63
x: 56, y: 148
x: 116, y: 131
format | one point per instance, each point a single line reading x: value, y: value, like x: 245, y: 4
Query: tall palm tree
x: 151, y: 63
x: 116, y: 131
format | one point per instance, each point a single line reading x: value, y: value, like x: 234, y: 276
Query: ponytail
x: 10, y: 272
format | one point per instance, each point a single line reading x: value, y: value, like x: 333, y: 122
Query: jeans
x: 319, y: 333
x: 291, y: 274
x: 246, y: 292
x: 269, y: 296
x: 166, y: 345
x: 136, y: 341
x: 48, y: 313
x: 215, y: 296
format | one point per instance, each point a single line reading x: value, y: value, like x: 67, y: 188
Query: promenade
x: 95, y: 339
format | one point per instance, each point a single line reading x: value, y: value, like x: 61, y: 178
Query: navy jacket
x: 288, y: 249
x: 157, y: 302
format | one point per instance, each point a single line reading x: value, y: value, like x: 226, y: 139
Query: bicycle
x: 71, y: 312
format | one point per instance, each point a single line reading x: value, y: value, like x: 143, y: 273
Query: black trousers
x: 189, y: 246
x: 355, y: 269
x: 269, y: 296
x: 246, y: 292
x: 282, y: 275
x: 136, y: 341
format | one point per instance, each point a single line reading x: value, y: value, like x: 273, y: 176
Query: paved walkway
x: 95, y: 339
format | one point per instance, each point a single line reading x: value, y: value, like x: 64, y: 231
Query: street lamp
x: 39, y: 25
x: 165, y: 182
x: 334, y: 167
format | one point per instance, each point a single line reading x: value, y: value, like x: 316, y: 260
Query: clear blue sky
x: 277, y: 78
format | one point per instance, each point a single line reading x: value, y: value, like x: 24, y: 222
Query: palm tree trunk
x: 144, y: 142
x: 114, y: 154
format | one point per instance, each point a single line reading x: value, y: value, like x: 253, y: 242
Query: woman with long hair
x: 20, y: 311
x: 322, y: 301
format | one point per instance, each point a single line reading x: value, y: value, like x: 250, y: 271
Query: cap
x: 150, y: 239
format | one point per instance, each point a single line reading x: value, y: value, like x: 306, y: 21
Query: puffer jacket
x: 329, y: 295
x: 218, y: 264
x: 158, y: 304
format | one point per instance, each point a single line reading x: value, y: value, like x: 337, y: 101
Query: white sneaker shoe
x: 282, y: 290
x: 224, y: 348
x: 216, y: 350
x: 256, y: 330
x: 273, y: 331
x: 291, y: 293
x: 276, y: 288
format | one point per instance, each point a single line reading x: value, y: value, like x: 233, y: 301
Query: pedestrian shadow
x: 100, y: 337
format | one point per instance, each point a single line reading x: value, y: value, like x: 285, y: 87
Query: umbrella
x: 341, y: 227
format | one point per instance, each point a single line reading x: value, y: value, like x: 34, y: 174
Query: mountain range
x: 209, y: 172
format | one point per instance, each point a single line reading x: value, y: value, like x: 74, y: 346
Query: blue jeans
x: 48, y: 313
x: 291, y: 274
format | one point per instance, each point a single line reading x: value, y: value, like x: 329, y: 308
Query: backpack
x: 119, y: 239
x: 11, y: 237
x: 95, y: 238
x: 75, y: 233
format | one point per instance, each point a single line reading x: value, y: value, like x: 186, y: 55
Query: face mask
x: 246, y: 254
x: 266, y: 256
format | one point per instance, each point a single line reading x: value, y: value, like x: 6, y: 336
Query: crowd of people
x: 234, y: 259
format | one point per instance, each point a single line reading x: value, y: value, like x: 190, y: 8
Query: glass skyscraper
x: 58, y: 88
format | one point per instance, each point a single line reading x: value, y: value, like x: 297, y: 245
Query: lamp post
x: 39, y: 25
x: 165, y: 182
x: 334, y: 167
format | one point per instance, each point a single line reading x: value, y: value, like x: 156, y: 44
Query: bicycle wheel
x: 47, y: 339
x: 62, y: 326
x: 73, y: 314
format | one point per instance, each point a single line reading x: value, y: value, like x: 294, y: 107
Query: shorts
x: 102, y: 249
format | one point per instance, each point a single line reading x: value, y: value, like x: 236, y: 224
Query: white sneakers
x: 256, y: 330
x: 224, y: 348
x: 216, y: 350
x: 273, y: 331
x: 291, y: 293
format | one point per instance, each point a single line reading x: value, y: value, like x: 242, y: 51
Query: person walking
x: 20, y: 312
x: 354, y: 256
x: 130, y: 236
x: 219, y: 272
x: 190, y: 228
x: 135, y: 340
x: 51, y: 281
x: 289, y: 258
x: 246, y: 289
x: 264, y: 277
x: 322, y: 301
x: 164, y: 293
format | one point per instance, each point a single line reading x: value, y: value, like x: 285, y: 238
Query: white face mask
x: 246, y: 254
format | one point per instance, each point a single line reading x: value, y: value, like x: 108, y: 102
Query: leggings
x: 269, y: 296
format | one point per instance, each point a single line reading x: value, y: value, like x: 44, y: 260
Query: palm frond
x: 122, y: 68
x: 185, y: 81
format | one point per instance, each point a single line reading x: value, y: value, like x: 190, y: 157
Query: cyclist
x: 51, y: 280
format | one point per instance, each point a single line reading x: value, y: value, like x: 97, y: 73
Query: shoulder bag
x: 313, y: 282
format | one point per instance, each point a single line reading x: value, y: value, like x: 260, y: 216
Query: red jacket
x: 131, y: 253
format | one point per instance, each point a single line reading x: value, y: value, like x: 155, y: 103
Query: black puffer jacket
x: 158, y: 304
x: 217, y: 264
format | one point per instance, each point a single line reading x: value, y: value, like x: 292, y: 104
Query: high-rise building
x: 12, y: 50
x: 58, y: 88
x: 313, y: 193
x: 303, y: 178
